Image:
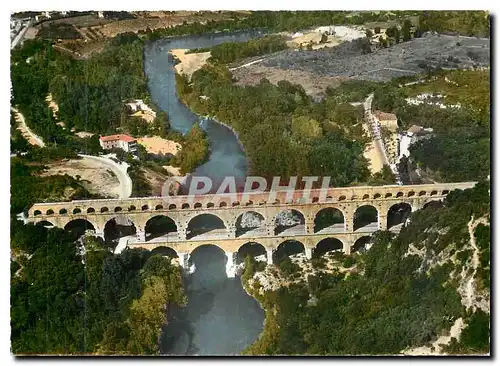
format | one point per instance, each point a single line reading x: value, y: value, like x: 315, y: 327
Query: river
x: 220, y: 318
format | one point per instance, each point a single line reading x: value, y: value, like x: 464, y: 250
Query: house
x: 121, y: 141
x: 387, y: 120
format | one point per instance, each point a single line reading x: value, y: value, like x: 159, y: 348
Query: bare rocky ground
x: 347, y: 60
x: 96, y: 177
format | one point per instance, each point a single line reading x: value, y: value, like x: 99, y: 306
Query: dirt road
x: 29, y: 135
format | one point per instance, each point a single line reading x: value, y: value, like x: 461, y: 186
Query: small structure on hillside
x: 121, y: 141
x: 408, y: 138
x: 387, y: 120
x: 138, y: 108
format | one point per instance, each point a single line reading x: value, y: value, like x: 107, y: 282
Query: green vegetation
x: 27, y: 187
x: 89, y: 93
x: 194, y: 152
x: 468, y: 23
x: 379, y: 308
x: 471, y: 23
x: 233, y: 51
x: 276, y: 123
x: 111, y: 304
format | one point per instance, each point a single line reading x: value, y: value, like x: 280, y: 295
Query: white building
x: 121, y: 141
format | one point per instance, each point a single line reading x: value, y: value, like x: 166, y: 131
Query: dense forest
x: 394, y: 300
x: 99, y: 303
x: 233, y: 51
x: 90, y: 93
x: 284, y: 132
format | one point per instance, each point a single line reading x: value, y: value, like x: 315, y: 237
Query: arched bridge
x: 230, y: 221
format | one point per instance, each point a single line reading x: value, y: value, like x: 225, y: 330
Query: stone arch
x: 286, y: 249
x: 315, y: 199
x: 37, y: 213
x: 399, y: 194
x: 328, y: 245
x: 236, y: 203
x: 77, y: 211
x: 377, y: 195
x: 49, y: 212
x: 45, y: 223
x: 104, y: 209
x: 198, y: 205
x: 250, y: 223
x: 185, y: 206
x: 223, y: 204
x: 422, y: 193
x: 329, y: 198
x: 118, y: 209
x: 132, y: 208
x: 445, y: 192
x: 144, y: 208
x: 342, y: 198
x: 249, y: 203
x: 118, y: 227
x: 78, y: 227
x: 210, y: 205
x: 366, y: 196
x: 329, y: 219
x: 411, y: 194
x: 158, y: 207
x: 206, y: 225
x: 289, y: 222
x: 434, y: 193
x: 397, y: 214
x: 217, y: 258
x: 165, y: 251
x: 63, y: 211
x: 253, y: 249
x: 361, y: 245
x: 366, y: 218
x: 90, y: 210
x: 387, y: 195
x: 160, y: 226
x: 172, y: 207
x: 433, y: 204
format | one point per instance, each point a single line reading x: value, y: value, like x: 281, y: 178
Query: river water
x: 220, y: 318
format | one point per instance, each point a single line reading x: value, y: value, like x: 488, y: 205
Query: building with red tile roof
x: 121, y: 141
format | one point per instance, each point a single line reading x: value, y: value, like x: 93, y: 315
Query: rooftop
x: 121, y: 137
x: 383, y: 116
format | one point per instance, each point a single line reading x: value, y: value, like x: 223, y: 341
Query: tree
x: 406, y: 30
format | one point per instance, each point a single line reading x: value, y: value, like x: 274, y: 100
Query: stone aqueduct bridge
x: 229, y: 207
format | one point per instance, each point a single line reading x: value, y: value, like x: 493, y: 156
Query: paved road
x: 19, y: 37
x: 375, y: 130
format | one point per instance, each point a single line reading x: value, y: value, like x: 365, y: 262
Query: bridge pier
x: 309, y: 252
x: 183, y: 260
x: 141, y: 235
x: 382, y: 221
x: 99, y: 234
x: 309, y: 227
x: 269, y: 256
x: 230, y: 265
